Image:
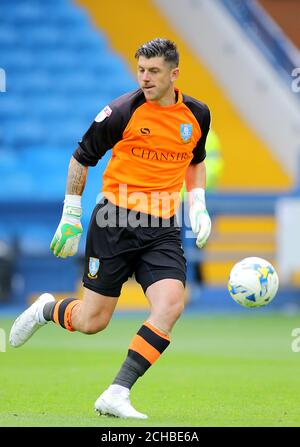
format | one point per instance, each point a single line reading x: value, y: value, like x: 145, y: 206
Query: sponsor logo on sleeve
x: 105, y: 113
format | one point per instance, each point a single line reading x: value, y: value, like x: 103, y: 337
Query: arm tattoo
x: 76, y: 177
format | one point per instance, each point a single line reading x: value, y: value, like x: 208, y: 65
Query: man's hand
x: 199, y: 217
x: 67, y: 236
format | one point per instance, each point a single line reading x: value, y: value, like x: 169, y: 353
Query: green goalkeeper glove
x: 67, y: 236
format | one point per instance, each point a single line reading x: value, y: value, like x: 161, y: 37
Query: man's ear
x: 174, y: 74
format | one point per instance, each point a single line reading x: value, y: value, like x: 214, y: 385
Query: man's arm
x: 76, y: 180
x: 195, y: 181
x: 67, y: 236
x: 195, y: 176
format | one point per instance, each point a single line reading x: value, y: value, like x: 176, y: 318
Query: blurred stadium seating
x: 60, y: 73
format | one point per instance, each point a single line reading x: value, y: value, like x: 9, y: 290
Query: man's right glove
x: 67, y: 236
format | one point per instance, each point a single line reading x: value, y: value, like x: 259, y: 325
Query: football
x: 253, y: 282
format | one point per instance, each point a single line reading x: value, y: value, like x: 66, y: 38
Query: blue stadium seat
x: 56, y: 60
x: 31, y: 83
x: 48, y: 158
x: 8, y: 37
x: 51, y: 186
x: 24, y: 133
x: 42, y: 36
x: 17, y: 185
x: 9, y: 161
x: 12, y: 108
x: 68, y: 16
x: 22, y: 12
x: 86, y: 38
x: 17, y: 60
x: 79, y: 83
x: 35, y: 239
x: 65, y: 133
x: 6, y: 235
x: 45, y: 106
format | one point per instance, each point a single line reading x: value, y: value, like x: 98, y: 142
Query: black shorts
x: 121, y: 243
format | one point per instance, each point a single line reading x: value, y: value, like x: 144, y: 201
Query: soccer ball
x: 253, y: 282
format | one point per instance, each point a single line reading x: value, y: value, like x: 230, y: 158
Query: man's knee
x: 169, y: 311
x: 94, y: 313
x: 176, y: 308
x: 95, y: 325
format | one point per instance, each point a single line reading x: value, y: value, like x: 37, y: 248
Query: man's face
x: 156, y: 77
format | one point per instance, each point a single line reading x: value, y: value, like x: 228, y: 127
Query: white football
x: 253, y: 282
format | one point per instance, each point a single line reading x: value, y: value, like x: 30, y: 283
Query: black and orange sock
x: 60, y: 312
x: 145, y: 348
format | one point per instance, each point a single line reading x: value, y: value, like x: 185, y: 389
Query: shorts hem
x: 106, y: 292
x: 173, y: 275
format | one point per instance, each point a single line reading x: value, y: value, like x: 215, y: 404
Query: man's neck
x: 169, y: 99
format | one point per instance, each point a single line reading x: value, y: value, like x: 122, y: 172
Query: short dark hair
x: 159, y: 47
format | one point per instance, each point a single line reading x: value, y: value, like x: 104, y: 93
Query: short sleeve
x: 103, y: 134
x: 204, y: 122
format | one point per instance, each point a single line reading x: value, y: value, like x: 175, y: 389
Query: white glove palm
x: 67, y: 236
x: 199, y: 217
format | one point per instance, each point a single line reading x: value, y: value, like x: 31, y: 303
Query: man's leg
x: 166, y: 298
x: 89, y: 315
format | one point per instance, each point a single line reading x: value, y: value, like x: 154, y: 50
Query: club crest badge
x: 186, y: 131
x: 94, y: 265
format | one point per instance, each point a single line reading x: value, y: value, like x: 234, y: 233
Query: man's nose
x: 146, y: 76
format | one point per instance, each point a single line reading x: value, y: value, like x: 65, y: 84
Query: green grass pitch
x: 218, y: 371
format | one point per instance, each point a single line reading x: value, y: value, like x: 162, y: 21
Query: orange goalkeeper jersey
x: 152, y: 146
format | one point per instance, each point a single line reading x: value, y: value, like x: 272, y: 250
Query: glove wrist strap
x: 197, y: 195
x: 72, y: 206
x: 73, y: 199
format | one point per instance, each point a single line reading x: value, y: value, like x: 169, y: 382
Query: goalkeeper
x: 157, y: 136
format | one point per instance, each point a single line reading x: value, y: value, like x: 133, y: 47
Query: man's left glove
x: 67, y: 236
x: 199, y: 217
